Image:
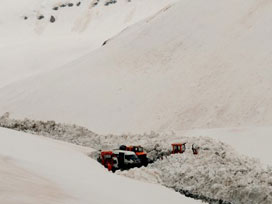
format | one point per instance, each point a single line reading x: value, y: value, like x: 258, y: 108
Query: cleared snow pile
x: 64, y: 132
x: 242, y: 139
x: 82, y: 136
x: 216, y: 175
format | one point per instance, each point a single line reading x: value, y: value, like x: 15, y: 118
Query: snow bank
x: 251, y: 141
x: 218, y: 173
x: 35, y: 169
x: 80, y: 135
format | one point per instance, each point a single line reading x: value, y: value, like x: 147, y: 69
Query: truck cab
x: 127, y: 159
x: 108, y: 160
x: 178, y: 148
x: 139, y: 151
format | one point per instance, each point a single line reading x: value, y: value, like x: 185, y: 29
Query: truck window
x: 140, y: 149
x: 107, y: 156
x: 130, y: 157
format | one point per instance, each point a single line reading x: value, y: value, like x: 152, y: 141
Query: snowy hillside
x: 39, y: 170
x: 29, y: 45
x: 196, y: 64
x: 95, y: 19
x: 104, y: 73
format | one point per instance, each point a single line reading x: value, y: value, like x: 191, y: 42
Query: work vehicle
x: 178, y: 148
x: 139, y: 151
x: 195, y: 149
x: 109, y: 160
x: 127, y: 159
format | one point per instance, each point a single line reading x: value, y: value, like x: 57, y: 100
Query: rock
x: 52, y: 19
x: 40, y: 17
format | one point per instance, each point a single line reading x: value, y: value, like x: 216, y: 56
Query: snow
x: 167, y: 65
x: 36, y: 169
x: 251, y: 141
x: 189, y: 64
x: 218, y: 172
x: 30, y: 47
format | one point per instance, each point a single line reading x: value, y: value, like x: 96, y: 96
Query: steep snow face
x: 29, y: 45
x: 35, y: 169
x: 197, y: 64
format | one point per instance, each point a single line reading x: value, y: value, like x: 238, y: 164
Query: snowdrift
x: 36, y: 169
x: 195, y: 64
x: 218, y: 174
x: 253, y: 142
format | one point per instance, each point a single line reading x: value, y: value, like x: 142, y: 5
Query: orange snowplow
x: 178, y: 148
x: 108, y: 160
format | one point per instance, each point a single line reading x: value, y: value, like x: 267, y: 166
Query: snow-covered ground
x: 254, y: 142
x: 30, y: 47
x: 35, y: 169
x: 136, y: 66
x: 194, y: 64
x: 219, y: 172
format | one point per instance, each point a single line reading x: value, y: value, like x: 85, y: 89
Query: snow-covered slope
x: 39, y: 170
x: 94, y: 19
x: 31, y: 46
x: 196, y: 64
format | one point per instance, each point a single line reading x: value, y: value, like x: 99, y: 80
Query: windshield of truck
x: 183, y: 147
x: 177, y: 148
x: 131, y: 157
x: 107, y: 156
x: 138, y: 149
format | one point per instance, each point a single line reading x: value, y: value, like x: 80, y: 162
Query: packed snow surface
x: 188, y: 64
x: 39, y: 170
